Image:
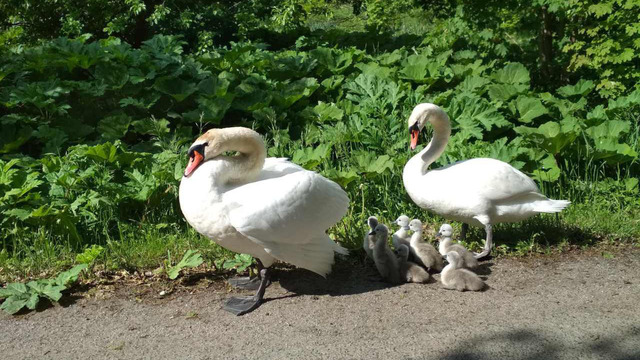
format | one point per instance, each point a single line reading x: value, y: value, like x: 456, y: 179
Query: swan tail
x: 550, y: 206
x: 317, y: 255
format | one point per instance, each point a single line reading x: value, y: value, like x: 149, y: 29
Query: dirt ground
x: 580, y: 305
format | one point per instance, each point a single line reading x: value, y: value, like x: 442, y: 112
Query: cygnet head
x: 445, y: 231
x: 453, y: 258
x: 403, y: 221
x: 402, y: 251
x: 415, y: 225
x: 372, y: 221
x: 380, y: 232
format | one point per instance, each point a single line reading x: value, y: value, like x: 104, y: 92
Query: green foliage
x: 239, y: 262
x: 190, y: 259
x: 93, y: 133
x: 18, y: 295
x: 89, y: 255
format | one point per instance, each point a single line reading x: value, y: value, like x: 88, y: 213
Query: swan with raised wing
x: 479, y: 192
x: 269, y: 208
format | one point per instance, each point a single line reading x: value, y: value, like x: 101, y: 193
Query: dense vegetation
x: 99, y: 101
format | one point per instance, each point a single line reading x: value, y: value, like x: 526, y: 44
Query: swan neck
x: 439, y: 120
x: 246, y: 166
x: 416, y: 237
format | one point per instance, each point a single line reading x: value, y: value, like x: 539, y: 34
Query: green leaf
x: 32, y: 303
x: 53, y: 292
x: 512, y: 73
x: 504, y: 92
x: 529, y: 108
x: 103, y: 152
x: 582, y: 88
x: 328, y: 112
x: 151, y: 126
x: 551, y: 136
x: 70, y: 276
x: 175, y: 87
x: 114, y: 127
x: 548, y: 171
x: 13, y: 304
x: 13, y: 289
x: 190, y: 259
x: 290, y: 93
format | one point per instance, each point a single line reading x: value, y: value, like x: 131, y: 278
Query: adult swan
x: 268, y: 208
x: 479, y: 192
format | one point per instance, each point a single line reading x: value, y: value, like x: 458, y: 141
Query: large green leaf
x: 13, y: 304
x: 175, y: 87
x: 504, y: 92
x: 551, y: 136
x: 529, y: 108
x: 114, y: 127
x: 512, y: 73
x: 582, y: 88
x: 103, y: 152
x: 292, y: 92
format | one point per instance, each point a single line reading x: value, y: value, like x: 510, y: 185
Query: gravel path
x: 575, y: 306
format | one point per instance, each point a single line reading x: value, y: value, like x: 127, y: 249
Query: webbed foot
x: 242, y: 304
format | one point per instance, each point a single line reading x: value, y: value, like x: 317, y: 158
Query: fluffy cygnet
x: 372, y: 221
x: 385, y: 259
x: 467, y: 260
x: 424, y: 254
x: 401, y: 237
x: 410, y: 271
x: 456, y: 278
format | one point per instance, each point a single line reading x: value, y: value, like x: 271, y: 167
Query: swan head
x: 403, y: 221
x: 423, y: 113
x: 445, y: 231
x: 380, y: 232
x: 415, y: 225
x: 402, y: 251
x: 207, y: 146
x: 372, y: 221
x: 453, y: 258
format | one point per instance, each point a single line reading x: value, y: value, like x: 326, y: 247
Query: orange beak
x: 194, y: 162
x: 414, y: 138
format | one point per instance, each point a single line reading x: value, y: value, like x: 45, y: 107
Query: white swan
x: 423, y: 253
x: 455, y: 278
x: 268, y: 208
x: 401, y: 237
x: 479, y: 192
x: 386, y: 261
x: 467, y: 260
x: 409, y: 271
x: 372, y: 221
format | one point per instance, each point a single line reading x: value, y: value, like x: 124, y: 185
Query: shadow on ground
x: 526, y: 344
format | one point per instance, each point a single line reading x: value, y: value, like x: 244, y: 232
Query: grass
x: 607, y: 215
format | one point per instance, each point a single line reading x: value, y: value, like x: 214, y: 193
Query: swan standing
x: 268, y: 208
x: 479, y: 192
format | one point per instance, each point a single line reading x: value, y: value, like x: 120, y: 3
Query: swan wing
x: 288, y: 215
x: 287, y: 204
x: 491, y: 179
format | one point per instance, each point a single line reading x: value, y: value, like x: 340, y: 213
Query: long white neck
x: 419, y: 163
x: 445, y: 242
x: 246, y: 166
